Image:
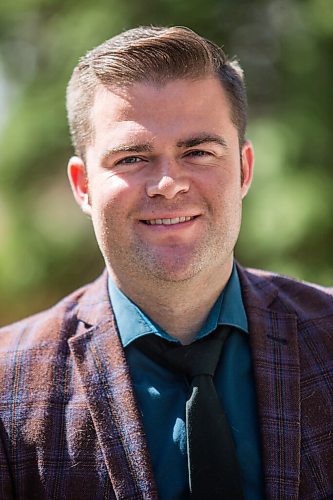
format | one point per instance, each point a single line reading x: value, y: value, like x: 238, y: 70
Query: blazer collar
x: 274, y: 347
x: 100, y: 360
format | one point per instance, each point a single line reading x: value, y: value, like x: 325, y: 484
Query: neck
x: 179, y: 308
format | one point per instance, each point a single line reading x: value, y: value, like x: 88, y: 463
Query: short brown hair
x: 154, y: 54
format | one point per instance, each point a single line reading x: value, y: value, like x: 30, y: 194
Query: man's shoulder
x: 49, y: 325
x: 261, y: 278
x: 307, y: 300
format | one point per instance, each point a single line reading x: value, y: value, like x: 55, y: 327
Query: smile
x: 167, y: 222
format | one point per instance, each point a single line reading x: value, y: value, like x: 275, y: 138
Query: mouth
x: 168, y: 222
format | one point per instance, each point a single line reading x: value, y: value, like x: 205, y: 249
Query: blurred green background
x: 286, y: 48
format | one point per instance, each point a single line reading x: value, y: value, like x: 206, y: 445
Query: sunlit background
x: 47, y: 247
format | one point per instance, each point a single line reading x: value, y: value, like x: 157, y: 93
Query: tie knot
x: 199, y: 358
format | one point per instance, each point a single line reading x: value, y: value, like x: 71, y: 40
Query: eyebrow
x: 148, y: 148
x: 201, y: 139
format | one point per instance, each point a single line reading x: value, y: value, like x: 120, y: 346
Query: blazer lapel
x: 274, y: 346
x: 100, y: 360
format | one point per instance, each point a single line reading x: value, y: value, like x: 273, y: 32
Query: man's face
x: 162, y: 180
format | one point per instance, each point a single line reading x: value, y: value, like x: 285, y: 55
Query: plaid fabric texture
x: 70, y: 427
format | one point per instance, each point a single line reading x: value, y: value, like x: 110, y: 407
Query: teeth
x: 167, y: 222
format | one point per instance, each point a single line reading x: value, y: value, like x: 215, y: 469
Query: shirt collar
x: 133, y: 323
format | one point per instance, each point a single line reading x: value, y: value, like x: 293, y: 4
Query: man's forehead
x: 146, y: 99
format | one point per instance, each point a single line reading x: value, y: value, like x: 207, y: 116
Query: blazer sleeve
x: 6, y: 480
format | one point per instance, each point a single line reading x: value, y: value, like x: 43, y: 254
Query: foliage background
x: 47, y: 247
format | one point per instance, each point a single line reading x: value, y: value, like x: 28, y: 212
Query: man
x: 88, y: 409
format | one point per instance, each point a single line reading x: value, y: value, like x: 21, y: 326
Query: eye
x: 197, y: 153
x: 129, y: 160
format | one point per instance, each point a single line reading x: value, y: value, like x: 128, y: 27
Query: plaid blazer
x: 70, y: 427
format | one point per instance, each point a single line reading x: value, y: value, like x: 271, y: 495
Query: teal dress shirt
x: 161, y: 394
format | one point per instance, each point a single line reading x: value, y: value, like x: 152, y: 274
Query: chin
x: 172, y: 276
x: 174, y: 272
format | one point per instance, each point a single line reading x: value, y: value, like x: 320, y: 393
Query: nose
x: 168, y: 179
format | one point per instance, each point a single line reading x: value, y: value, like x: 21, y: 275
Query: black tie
x: 212, y: 463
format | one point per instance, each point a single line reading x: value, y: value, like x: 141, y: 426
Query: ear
x: 247, y: 167
x: 77, y: 175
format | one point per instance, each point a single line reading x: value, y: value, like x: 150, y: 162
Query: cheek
x: 222, y: 191
x: 113, y: 200
x: 106, y: 191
